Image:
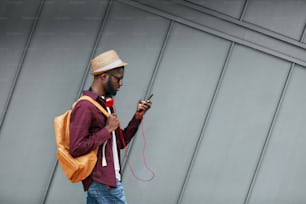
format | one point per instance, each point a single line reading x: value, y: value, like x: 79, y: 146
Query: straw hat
x: 106, y: 61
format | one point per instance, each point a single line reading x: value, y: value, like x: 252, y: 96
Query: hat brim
x: 94, y: 73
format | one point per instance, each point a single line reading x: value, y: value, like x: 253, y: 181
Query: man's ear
x: 103, y: 76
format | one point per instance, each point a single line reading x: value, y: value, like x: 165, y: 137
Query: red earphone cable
x: 143, y: 154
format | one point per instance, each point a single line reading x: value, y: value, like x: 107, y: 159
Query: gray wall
x: 228, y: 118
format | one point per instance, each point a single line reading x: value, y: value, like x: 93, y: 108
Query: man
x: 90, y: 129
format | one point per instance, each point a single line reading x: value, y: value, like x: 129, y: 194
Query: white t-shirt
x: 115, y: 153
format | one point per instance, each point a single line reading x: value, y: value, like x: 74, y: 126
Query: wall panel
x: 237, y: 128
x: 49, y: 80
x: 185, y: 82
x: 63, y: 191
x: 281, y: 16
x: 16, y: 18
x: 281, y: 177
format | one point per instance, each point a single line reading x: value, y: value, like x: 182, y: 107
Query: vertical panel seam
x: 152, y: 79
x: 268, y: 136
x: 160, y: 56
x: 245, y: 6
x: 303, y: 34
x: 95, y: 46
x: 21, y: 62
x: 205, y: 122
x: 82, y: 84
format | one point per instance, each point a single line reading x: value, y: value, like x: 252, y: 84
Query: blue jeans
x: 98, y: 193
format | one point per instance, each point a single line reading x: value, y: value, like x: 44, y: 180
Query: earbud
x: 109, y: 102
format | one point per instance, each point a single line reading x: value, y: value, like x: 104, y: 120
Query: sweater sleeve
x: 82, y: 137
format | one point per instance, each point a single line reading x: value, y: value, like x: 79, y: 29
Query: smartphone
x: 149, y: 98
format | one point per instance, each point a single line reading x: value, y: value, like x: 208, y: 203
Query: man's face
x: 114, y: 81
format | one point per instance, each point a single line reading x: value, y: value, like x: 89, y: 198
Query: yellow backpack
x: 79, y: 168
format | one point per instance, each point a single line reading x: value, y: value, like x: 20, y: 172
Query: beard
x: 110, y: 90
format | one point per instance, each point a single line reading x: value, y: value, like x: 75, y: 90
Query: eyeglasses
x: 119, y: 79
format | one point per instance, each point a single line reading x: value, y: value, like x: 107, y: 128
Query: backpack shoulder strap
x: 95, y: 103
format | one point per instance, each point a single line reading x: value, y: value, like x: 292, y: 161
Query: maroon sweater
x: 88, y: 132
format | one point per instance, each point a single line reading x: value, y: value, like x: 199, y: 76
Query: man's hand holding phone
x: 143, y: 106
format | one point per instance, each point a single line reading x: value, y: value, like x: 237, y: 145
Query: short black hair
x: 112, y: 71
